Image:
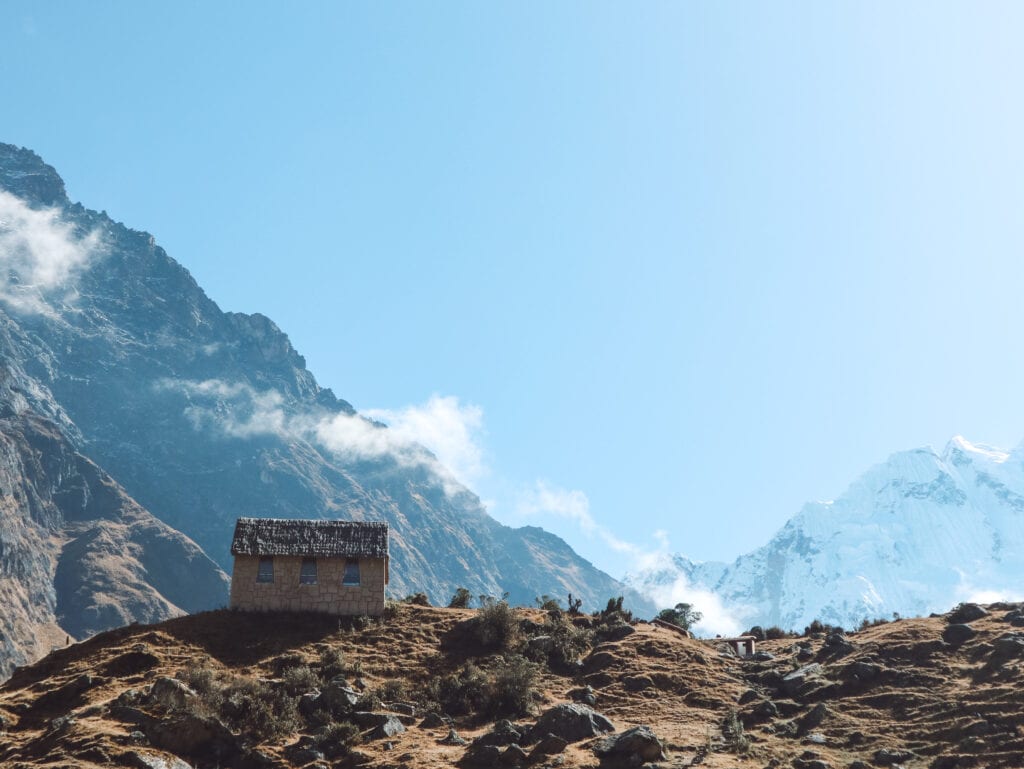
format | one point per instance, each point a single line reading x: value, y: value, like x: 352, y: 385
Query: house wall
x: 327, y: 595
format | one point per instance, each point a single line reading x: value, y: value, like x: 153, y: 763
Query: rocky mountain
x: 912, y: 535
x: 200, y: 416
x: 421, y: 688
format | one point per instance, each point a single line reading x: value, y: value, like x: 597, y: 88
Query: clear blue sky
x: 701, y: 262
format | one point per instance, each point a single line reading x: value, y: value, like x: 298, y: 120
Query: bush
x: 392, y: 690
x: 511, y: 689
x: 332, y: 663
x: 257, y: 710
x: 417, y: 599
x: 866, y: 623
x: 547, y: 603
x: 495, y: 626
x: 201, y: 680
x: 774, y: 633
x: 732, y: 730
x: 461, y: 599
x: 461, y: 692
x: 817, y: 626
x: 299, y: 680
x: 568, y: 642
x: 683, y: 615
x: 613, y: 613
x: 334, y: 740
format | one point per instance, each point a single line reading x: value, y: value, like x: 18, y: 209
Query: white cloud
x: 40, y: 255
x: 441, y: 434
x: 572, y: 504
x: 717, y: 618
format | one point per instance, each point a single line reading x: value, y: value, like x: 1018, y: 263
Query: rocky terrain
x: 181, y: 418
x: 428, y: 687
x: 914, y: 533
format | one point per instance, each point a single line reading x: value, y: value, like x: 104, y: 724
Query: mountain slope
x: 204, y: 416
x: 912, y: 535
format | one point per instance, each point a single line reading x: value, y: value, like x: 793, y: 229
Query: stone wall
x: 327, y: 595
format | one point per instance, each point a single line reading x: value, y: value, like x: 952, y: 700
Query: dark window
x: 351, y: 572
x: 265, y: 573
x: 308, y: 574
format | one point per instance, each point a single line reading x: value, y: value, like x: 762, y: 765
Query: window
x: 351, y: 572
x: 308, y: 574
x: 265, y: 571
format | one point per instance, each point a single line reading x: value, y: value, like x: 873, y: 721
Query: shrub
x: 201, y: 680
x: 735, y: 738
x: 461, y: 599
x: 332, y: 663
x: 866, y: 623
x: 259, y: 711
x: 683, y: 615
x: 547, y: 603
x: 817, y: 626
x: 299, y: 680
x: 568, y: 642
x: 392, y: 690
x: 511, y: 690
x: 417, y: 599
x: 774, y: 633
x: 574, y: 605
x: 614, y: 612
x: 334, y: 740
x: 495, y: 625
x: 461, y: 692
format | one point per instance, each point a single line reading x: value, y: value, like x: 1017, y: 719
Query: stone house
x: 336, y: 567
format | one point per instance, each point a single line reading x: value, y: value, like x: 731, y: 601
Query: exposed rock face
x: 200, y: 416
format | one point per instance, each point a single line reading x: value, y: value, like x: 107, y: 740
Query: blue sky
x: 683, y: 266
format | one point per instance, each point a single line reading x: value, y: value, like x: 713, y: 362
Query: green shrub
x: 548, y: 603
x: 736, y: 739
x: 568, y: 643
x: 683, y: 615
x: 459, y: 693
x: 332, y: 663
x: 613, y: 613
x: 461, y: 599
x: 201, y: 680
x: 417, y: 599
x: 335, y: 740
x: 774, y: 633
x: 257, y: 710
x: 510, y: 690
x: 299, y: 680
x: 495, y: 626
x: 392, y: 690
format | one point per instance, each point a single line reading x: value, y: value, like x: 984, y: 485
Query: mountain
x: 913, y: 535
x: 198, y: 416
x: 230, y: 689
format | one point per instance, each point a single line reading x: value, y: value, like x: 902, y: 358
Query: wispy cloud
x: 545, y: 499
x: 442, y: 433
x: 40, y: 255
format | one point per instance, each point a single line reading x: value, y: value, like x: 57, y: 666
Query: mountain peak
x: 959, y: 449
x: 26, y: 175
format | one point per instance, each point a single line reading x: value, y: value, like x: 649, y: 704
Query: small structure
x: 336, y: 567
x: 743, y: 645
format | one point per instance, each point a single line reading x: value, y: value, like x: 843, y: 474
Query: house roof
x: 283, y: 536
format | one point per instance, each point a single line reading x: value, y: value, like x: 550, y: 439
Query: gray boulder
x: 386, y: 729
x: 150, y: 761
x: 965, y: 612
x: 572, y: 722
x: 584, y: 694
x: 957, y: 634
x: 795, y: 681
x: 632, y: 747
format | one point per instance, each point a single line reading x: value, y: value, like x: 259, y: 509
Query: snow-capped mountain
x: 915, y: 534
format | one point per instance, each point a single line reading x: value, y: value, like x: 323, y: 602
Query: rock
x: 637, y: 683
x: 337, y: 697
x: 632, y: 747
x: 549, y: 745
x: 309, y: 703
x: 816, y: 738
x: 149, y: 761
x: 302, y: 753
x: 814, y: 717
x: 965, y: 612
x: 540, y: 646
x: 1009, y: 646
x: 766, y: 709
x: 481, y: 755
x: 434, y: 721
x: 889, y: 756
x: 503, y: 733
x: 384, y: 725
x: 955, y: 635
x: 864, y: 671
x: 584, y: 694
x: 453, y: 738
x: 171, y: 693
x: 405, y: 708
x: 793, y: 682
x: 763, y: 657
x: 513, y: 756
x: 1015, y: 617
x: 572, y: 722
x: 617, y: 632
x: 193, y: 736
x: 599, y: 660
x: 810, y: 763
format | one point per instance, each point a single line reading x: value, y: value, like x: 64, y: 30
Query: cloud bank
x: 40, y: 255
x: 442, y: 434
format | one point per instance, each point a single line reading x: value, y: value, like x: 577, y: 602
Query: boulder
x: 632, y: 747
x: 814, y: 717
x: 193, y: 736
x: 965, y: 612
x: 150, y: 761
x: 338, y: 697
x: 617, y: 632
x: 957, y: 634
x: 572, y: 722
x: 171, y: 693
x: 1007, y: 647
x: 890, y: 756
x: 584, y: 694
x: 309, y: 703
x: 513, y: 756
x: 386, y: 729
x: 453, y: 738
x: 1015, y: 617
x: 434, y: 721
x: 549, y: 745
x: 481, y: 755
x: 793, y: 682
x: 503, y: 733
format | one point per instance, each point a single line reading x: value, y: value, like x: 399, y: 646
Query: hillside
x: 913, y: 534
x: 282, y: 690
x: 200, y: 416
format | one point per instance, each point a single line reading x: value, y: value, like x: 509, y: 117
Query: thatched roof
x: 282, y: 536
